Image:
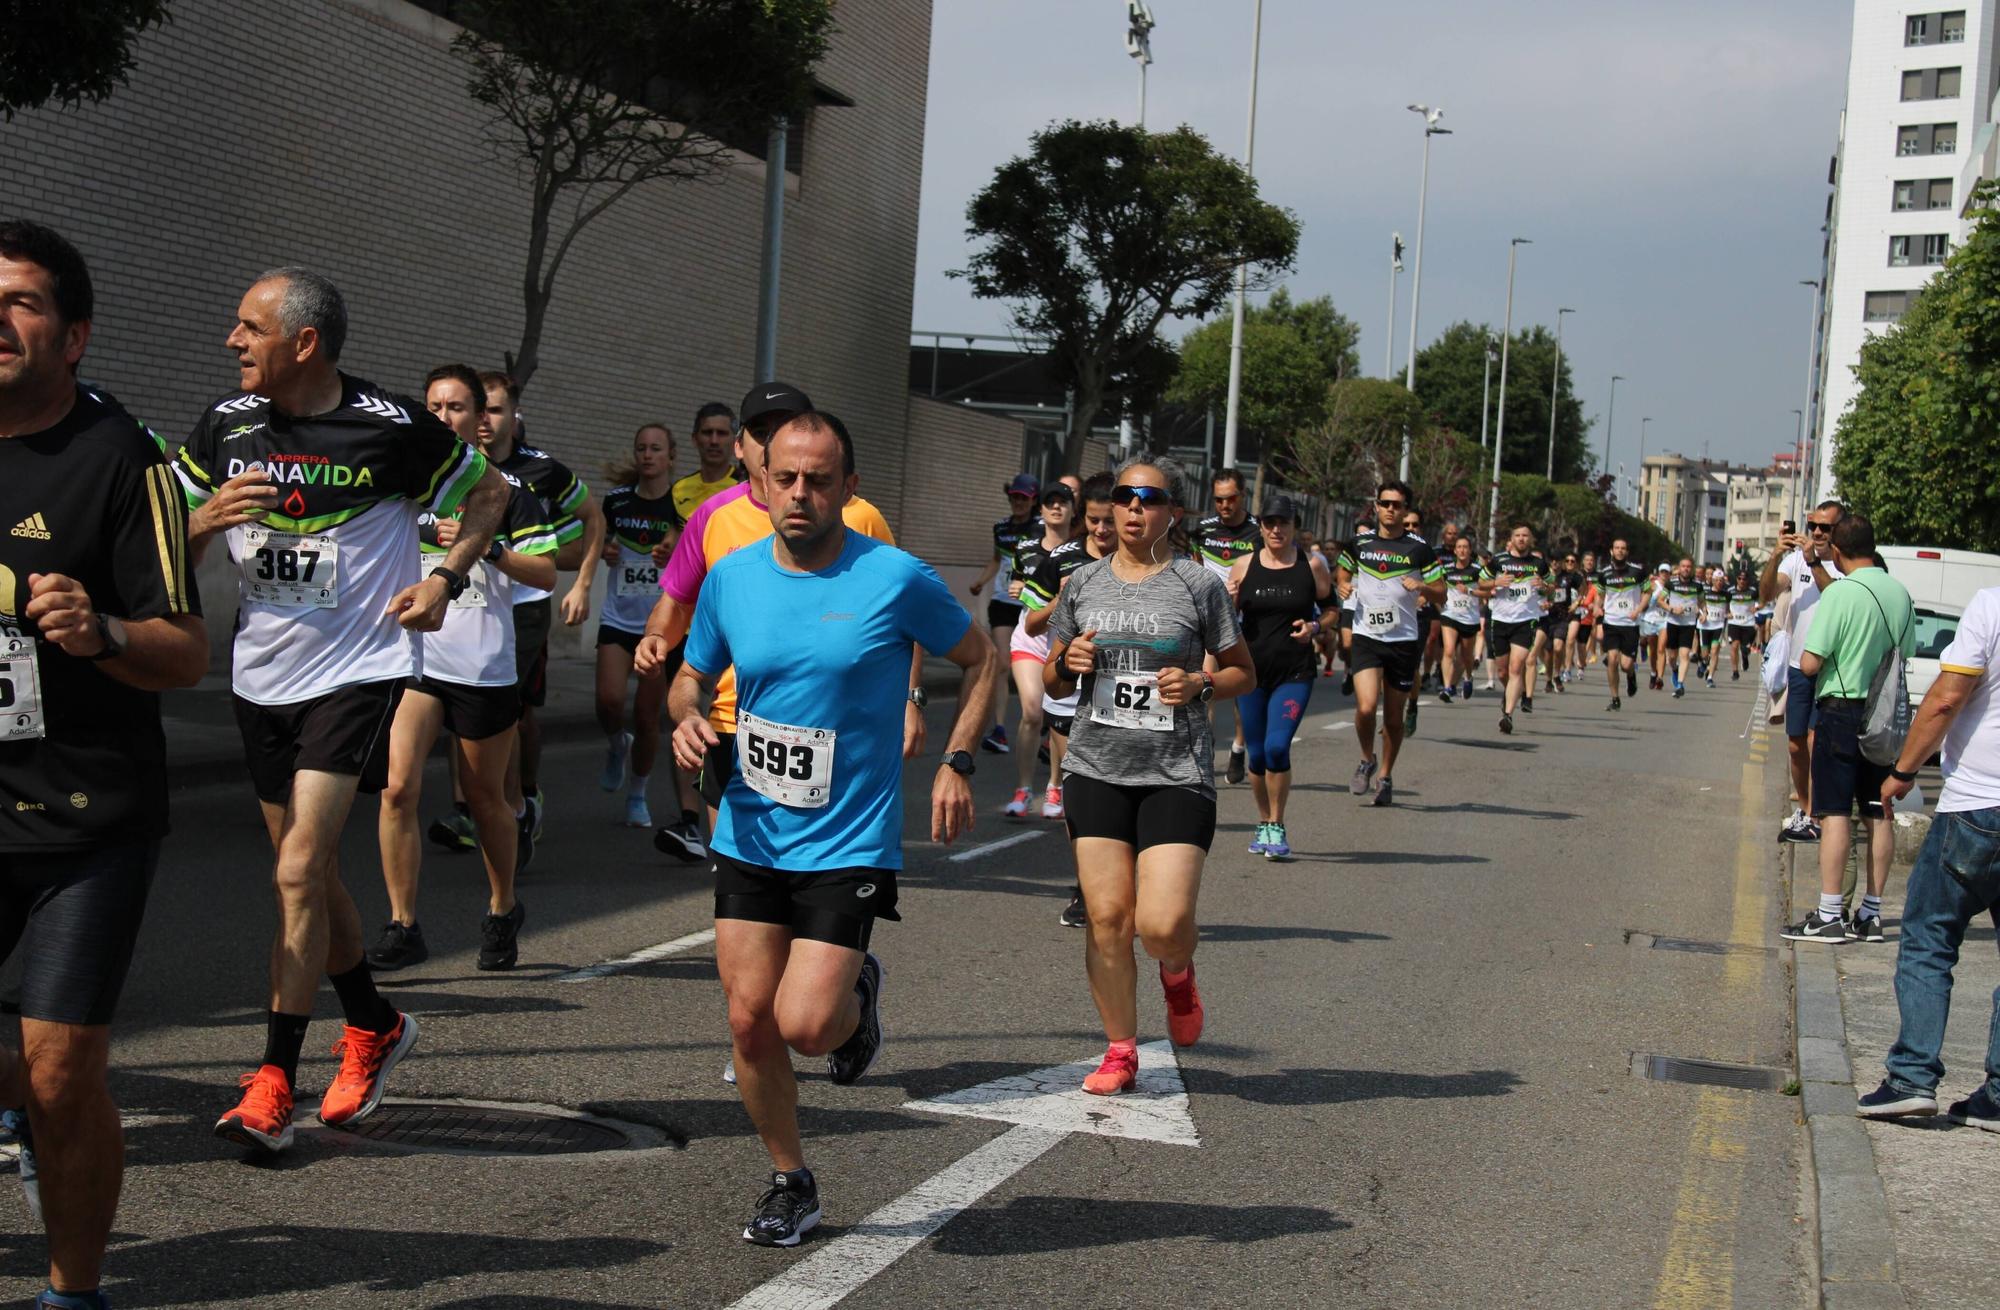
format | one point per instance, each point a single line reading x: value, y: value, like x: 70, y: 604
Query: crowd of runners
x: 396, y: 561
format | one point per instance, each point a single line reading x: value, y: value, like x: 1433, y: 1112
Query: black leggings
x: 1138, y: 816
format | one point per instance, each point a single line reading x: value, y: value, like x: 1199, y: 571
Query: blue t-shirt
x: 825, y: 652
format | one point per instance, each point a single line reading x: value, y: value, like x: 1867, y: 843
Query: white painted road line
x: 1000, y: 845
x: 1044, y: 1106
x: 637, y: 958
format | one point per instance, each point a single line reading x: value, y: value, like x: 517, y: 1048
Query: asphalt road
x: 1415, y: 1087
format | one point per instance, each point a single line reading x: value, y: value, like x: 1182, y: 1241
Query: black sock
x: 691, y: 820
x: 463, y: 808
x: 360, y: 1002
x: 284, y: 1038
x: 797, y: 1180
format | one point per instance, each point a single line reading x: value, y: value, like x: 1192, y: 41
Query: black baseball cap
x: 1024, y: 484
x: 1280, y: 507
x: 772, y: 398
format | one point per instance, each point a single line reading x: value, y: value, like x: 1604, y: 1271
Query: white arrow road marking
x: 1045, y: 1107
x: 637, y: 958
x: 999, y: 845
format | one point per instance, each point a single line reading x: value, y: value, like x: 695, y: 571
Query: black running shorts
x: 716, y: 766
x: 836, y: 906
x: 1060, y: 724
x: 1467, y: 630
x: 1624, y: 640
x: 1743, y: 634
x: 1502, y: 635
x: 344, y: 732
x: 474, y: 713
x: 1556, y: 622
x: 531, y: 650
x: 73, y: 917
x: 1002, y: 614
x: 1138, y: 816
x: 1397, y: 659
x: 1680, y: 636
x: 610, y: 636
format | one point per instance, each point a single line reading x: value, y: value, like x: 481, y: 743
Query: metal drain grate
x: 1709, y: 1073
x: 483, y: 1130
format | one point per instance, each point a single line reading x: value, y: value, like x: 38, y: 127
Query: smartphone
x: 1789, y: 528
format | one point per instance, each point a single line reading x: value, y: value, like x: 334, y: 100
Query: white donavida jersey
x: 475, y: 647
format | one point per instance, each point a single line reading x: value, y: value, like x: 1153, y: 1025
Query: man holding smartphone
x: 1802, y: 564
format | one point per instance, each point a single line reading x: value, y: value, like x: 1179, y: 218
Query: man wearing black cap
x: 1003, y: 612
x: 1387, y: 572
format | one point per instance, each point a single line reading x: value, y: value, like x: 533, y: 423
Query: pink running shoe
x: 1118, y: 1073
x: 1052, y: 803
x: 1184, y: 1012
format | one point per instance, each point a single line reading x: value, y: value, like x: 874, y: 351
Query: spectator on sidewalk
x: 1801, y: 569
x: 1957, y: 874
x: 1863, y: 614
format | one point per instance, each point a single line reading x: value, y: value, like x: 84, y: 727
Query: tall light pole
x: 1242, y: 270
x: 1389, y: 337
x: 1610, y: 416
x: 1639, y: 487
x: 772, y: 265
x: 1500, y: 426
x: 1486, y: 390
x: 1431, y: 129
x: 1139, y: 45
x: 1812, y: 351
x: 1555, y: 389
x: 1798, y: 472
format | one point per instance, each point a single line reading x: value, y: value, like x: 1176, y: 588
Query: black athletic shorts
x: 836, y: 906
x: 1843, y: 779
x: 1680, y: 636
x: 1500, y: 635
x: 1002, y: 614
x: 1624, y: 640
x: 74, y: 917
x: 531, y: 650
x: 344, y: 732
x: 1743, y: 633
x: 1467, y: 630
x: 629, y: 643
x: 1397, y: 659
x: 1060, y: 724
x: 716, y: 766
x: 1138, y: 816
x: 1556, y: 623
x: 1711, y: 636
x: 474, y: 713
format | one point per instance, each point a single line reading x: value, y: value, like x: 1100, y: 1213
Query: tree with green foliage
x: 1102, y: 232
x: 592, y: 99
x: 1568, y: 515
x: 1292, y: 352
x: 69, y: 51
x: 1449, y: 382
x: 1919, y: 449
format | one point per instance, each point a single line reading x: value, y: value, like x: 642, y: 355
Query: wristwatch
x: 496, y: 549
x: 918, y: 698
x: 1207, y: 692
x: 454, y: 582
x: 1901, y: 776
x: 959, y: 762
x: 112, y: 633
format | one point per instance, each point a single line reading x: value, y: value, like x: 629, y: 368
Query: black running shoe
x: 399, y: 947
x: 1979, y: 1110
x: 524, y: 846
x: 1736, y: 675
x: 682, y: 841
x: 1885, y: 1102
x: 1410, y: 716
x: 1347, y: 685
x: 1384, y: 792
x: 1865, y: 928
x: 784, y: 1215
x: 1816, y: 928
x: 1074, y: 915
x: 1507, y: 724
x: 1616, y: 704
x: 1236, y: 771
x: 1444, y: 695
x: 852, y: 1058
x: 1631, y: 683
x: 454, y: 833
x: 500, y: 938
x: 1527, y: 704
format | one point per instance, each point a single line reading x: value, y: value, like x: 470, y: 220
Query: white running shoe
x: 1018, y: 807
x: 637, y: 815
x: 1052, y: 803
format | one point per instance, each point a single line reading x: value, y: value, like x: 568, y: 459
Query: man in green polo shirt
x: 1860, y: 618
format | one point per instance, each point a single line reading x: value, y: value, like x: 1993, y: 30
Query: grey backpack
x: 1888, y: 708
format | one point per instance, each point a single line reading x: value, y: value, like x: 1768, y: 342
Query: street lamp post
x: 1555, y: 389
x: 1638, y: 488
x: 1500, y: 425
x: 1389, y: 337
x: 1486, y: 390
x: 1139, y: 45
x: 1242, y: 270
x: 1801, y: 491
x: 1431, y: 129
x: 1610, y: 416
x: 1798, y: 472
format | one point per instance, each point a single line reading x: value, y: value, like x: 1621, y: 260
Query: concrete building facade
x: 1688, y: 499
x: 1920, y: 82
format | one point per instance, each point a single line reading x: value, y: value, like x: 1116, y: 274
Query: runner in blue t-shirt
x: 818, y: 624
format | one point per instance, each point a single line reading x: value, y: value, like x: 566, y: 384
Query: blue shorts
x: 1798, y: 703
x: 1843, y: 779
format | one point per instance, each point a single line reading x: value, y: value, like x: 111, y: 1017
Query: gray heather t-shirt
x: 1167, y: 621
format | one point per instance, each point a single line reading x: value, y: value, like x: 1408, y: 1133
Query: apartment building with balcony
x: 1688, y: 499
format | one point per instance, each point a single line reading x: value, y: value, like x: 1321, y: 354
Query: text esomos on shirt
x: 825, y: 657
x: 1168, y: 620
x: 315, y: 576
x: 475, y: 647
x: 82, y: 756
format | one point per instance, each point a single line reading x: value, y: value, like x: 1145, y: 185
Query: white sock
x: 1871, y: 905
x: 1829, y: 905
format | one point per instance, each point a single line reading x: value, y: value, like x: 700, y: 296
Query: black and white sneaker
x: 400, y: 946
x: 1384, y: 792
x: 1799, y: 828
x: 1616, y: 704
x: 854, y: 1057
x: 1865, y: 928
x: 1507, y: 724
x: 1074, y: 915
x: 1885, y: 1102
x: 500, y: 938
x: 1815, y: 927
x: 1237, y: 769
x: 681, y: 841
x: 1979, y: 1110
x: 785, y: 1215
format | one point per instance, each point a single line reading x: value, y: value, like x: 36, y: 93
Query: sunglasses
x: 1393, y: 504
x: 1148, y: 497
x: 1818, y: 527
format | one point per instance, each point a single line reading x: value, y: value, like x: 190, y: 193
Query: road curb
x: 1855, y: 1239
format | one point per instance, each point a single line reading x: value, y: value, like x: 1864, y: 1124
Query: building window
x: 1921, y: 193
x: 1944, y: 139
x: 1936, y: 248
x: 1908, y: 140
x: 1951, y: 27
x: 1940, y: 193
x: 1926, y: 139
x: 1899, y: 252
x: 1943, y: 28
x: 1930, y: 84
x: 1905, y: 196
x: 1886, y: 306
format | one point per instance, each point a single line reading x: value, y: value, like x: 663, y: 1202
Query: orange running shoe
x: 365, y: 1061
x: 263, y: 1119
x: 1184, y: 1012
x: 1118, y: 1073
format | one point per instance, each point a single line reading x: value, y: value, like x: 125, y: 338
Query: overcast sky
x: 1669, y: 160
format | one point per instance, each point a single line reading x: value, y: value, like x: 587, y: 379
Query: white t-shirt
x: 1805, y: 595
x: 1972, y: 744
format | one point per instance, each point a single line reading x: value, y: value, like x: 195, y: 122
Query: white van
x: 1941, y: 583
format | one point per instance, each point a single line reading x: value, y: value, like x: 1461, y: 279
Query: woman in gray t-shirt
x: 1129, y: 633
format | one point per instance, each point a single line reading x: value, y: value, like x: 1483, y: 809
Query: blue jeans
x: 1956, y: 879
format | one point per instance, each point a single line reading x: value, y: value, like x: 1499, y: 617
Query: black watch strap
x: 1901, y: 776
x: 454, y: 582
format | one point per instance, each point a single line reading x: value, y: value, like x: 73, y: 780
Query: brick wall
x: 953, y: 489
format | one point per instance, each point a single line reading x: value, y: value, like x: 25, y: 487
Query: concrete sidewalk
x: 1905, y: 1209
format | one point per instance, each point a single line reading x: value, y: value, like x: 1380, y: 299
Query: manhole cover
x: 1711, y: 1073
x: 485, y: 1130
